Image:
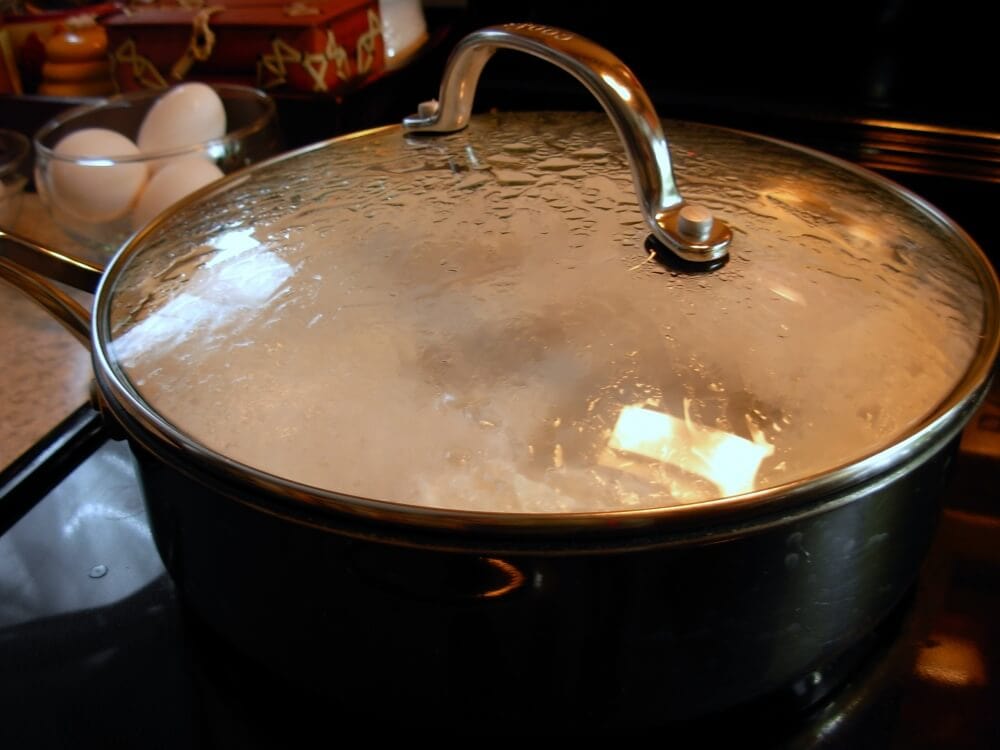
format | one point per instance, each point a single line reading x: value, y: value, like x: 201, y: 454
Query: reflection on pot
x: 440, y: 577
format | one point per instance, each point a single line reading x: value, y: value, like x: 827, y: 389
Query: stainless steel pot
x: 432, y: 424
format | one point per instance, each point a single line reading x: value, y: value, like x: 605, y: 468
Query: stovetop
x: 96, y: 649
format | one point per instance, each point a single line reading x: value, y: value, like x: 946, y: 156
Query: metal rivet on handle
x: 428, y: 108
x: 695, y: 222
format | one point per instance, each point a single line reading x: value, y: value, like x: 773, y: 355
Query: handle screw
x: 695, y: 222
x: 427, y: 109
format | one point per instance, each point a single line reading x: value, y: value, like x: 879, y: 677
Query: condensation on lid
x: 474, y: 321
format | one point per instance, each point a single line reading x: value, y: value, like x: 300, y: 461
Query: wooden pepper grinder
x: 76, y: 60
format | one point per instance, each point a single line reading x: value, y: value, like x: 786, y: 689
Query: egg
x: 98, y: 191
x: 175, y: 180
x: 185, y: 115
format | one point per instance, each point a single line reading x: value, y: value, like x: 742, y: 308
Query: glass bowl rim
x: 20, y: 147
x: 258, y: 124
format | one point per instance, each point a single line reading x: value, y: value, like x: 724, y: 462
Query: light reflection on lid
x: 241, y: 276
x: 728, y: 461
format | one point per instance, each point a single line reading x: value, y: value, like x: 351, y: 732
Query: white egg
x: 176, y: 179
x: 96, y: 191
x: 185, y: 115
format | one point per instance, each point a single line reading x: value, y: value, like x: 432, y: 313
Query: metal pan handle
x: 689, y: 230
x: 21, y: 258
x: 27, y: 481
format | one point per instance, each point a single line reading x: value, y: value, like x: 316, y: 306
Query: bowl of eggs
x: 105, y: 170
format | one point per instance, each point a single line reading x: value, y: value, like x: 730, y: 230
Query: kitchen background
x: 905, y: 88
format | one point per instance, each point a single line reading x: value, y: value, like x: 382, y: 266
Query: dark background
x: 913, y: 60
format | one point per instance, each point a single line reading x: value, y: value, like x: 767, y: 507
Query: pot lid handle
x: 688, y: 230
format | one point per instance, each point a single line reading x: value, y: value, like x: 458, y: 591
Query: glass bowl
x: 14, y: 151
x: 101, y: 200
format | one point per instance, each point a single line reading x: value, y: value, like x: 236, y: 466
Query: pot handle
x: 21, y: 262
x: 21, y: 258
x: 689, y: 230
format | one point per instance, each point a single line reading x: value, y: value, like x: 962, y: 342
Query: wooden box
x: 320, y: 46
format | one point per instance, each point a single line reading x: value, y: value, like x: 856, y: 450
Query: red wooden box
x: 323, y: 46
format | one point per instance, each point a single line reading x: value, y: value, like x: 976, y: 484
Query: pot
x: 462, y: 428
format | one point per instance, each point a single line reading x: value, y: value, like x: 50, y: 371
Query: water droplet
x: 473, y: 181
x: 504, y: 160
x: 518, y: 147
x: 557, y: 164
x: 557, y: 456
x: 98, y: 571
x: 590, y: 153
x: 512, y: 177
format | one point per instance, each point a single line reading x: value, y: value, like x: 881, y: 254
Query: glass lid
x: 480, y: 321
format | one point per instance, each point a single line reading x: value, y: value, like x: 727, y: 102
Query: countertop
x: 45, y: 373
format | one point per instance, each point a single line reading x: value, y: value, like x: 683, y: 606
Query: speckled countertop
x: 45, y: 373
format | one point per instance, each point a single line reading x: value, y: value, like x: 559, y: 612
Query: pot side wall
x: 591, y: 638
